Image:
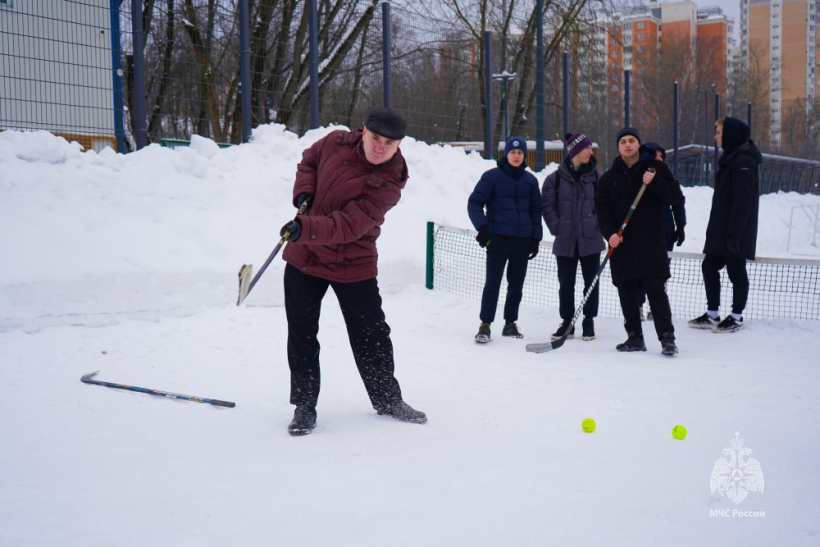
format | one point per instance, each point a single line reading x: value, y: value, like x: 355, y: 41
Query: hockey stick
x: 544, y: 347
x: 246, y: 270
x: 89, y: 379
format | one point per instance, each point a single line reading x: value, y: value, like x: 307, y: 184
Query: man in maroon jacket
x: 350, y: 179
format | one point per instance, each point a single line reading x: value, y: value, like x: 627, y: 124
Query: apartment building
x: 661, y: 43
x: 779, y: 38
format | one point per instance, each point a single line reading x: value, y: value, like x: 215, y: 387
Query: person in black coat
x: 639, y: 256
x: 731, y: 235
x: 674, y: 219
x: 505, y: 208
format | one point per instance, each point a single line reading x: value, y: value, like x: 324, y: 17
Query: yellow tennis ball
x: 679, y: 432
x: 588, y: 425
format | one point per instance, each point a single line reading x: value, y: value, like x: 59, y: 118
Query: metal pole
x: 749, y: 117
x: 676, y: 128
x: 540, y: 117
x: 565, y: 77
x: 313, y: 25
x: 627, y: 78
x: 706, y: 136
x: 140, y: 121
x: 245, y: 70
x: 116, y: 67
x: 386, y: 45
x: 505, y: 110
x: 489, y: 145
x: 717, y: 117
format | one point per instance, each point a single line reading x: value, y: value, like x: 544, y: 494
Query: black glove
x: 302, y: 198
x: 534, y: 248
x: 294, y: 228
x: 733, y: 246
x: 484, y: 236
x: 679, y: 235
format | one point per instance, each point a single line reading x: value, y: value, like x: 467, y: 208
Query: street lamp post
x: 505, y: 77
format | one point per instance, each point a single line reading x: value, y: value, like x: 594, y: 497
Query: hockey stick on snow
x: 89, y: 379
x: 544, y: 347
x: 246, y: 284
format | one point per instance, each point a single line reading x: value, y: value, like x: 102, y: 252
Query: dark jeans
x: 511, y: 252
x: 736, y: 268
x: 629, y: 294
x: 567, y: 272
x: 367, y: 329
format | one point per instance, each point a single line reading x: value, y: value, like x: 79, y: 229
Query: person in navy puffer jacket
x: 505, y: 208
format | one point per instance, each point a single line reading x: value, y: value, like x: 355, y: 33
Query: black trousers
x: 629, y: 295
x: 567, y: 272
x: 512, y: 252
x: 736, y: 268
x: 367, y: 329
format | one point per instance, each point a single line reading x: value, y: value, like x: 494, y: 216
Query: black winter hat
x: 387, y: 123
x: 628, y: 131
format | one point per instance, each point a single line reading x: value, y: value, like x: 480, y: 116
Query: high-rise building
x: 664, y: 42
x: 779, y: 42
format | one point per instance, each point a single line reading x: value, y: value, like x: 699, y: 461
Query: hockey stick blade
x: 245, y: 273
x: 89, y: 379
x: 544, y: 347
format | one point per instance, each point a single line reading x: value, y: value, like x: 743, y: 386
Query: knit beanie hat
x: 658, y: 148
x: 576, y: 143
x: 628, y: 131
x: 515, y: 143
x: 386, y: 123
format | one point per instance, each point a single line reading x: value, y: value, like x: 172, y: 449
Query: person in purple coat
x: 568, y: 201
x: 350, y: 179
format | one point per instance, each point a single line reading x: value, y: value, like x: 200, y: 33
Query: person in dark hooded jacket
x: 674, y: 219
x: 568, y: 205
x: 731, y: 235
x: 639, y: 256
x: 350, y: 180
x: 505, y: 208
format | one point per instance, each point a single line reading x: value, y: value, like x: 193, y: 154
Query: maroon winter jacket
x: 352, y: 197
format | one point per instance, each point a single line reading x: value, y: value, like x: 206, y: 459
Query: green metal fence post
x: 430, y: 243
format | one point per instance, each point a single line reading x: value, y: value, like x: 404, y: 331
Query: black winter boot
x: 403, y: 413
x: 483, y: 335
x: 562, y: 329
x: 304, y: 420
x: 588, y: 326
x: 511, y: 330
x: 668, y: 344
x: 633, y: 343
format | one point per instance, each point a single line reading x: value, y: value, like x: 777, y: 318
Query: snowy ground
x: 127, y: 265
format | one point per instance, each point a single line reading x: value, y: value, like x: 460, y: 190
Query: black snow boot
x: 304, y: 420
x: 668, y: 344
x: 511, y: 330
x: 483, y: 335
x: 633, y: 343
x: 562, y: 329
x: 403, y: 413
